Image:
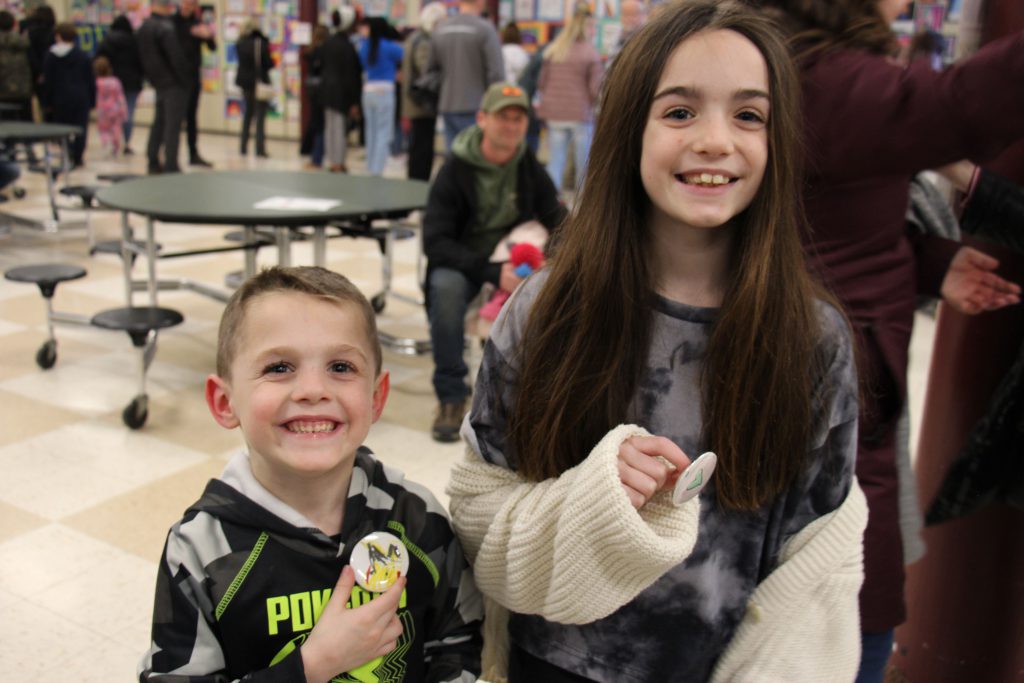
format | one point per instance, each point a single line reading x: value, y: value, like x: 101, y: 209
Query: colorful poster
x: 524, y: 10
x: 550, y: 10
x: 232, y: 108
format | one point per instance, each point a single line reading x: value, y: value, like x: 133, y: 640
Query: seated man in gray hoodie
x: 490, y: 183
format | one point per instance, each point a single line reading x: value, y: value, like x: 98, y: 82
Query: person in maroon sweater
x: 870, y: 126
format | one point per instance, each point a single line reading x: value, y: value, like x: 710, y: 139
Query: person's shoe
x: 128, y: 151
x: 199, y: 161
x: 448, y: 420
x: 262, y: 155
x: 155, y: 169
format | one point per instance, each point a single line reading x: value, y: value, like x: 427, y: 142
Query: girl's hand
x: 971, y: 287
x: 642, y: 474
x: 344, y: 638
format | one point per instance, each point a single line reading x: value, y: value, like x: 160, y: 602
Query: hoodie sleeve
x: 185, y: 648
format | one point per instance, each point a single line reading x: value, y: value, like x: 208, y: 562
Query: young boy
x: 256, y: 580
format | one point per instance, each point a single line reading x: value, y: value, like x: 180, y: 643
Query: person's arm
x: 174, y: 54
x: 453, y: 639
x: 446, y: 212
x: 185, y: 648
x: 525, y: 538
x: 494, y: 63
x: 995, y: 210
x: 595, y: 75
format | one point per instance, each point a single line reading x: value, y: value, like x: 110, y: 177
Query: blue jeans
x: 379, y: 112
x: 876, y: 648
x: 454, y: 123
x: 448, y: 294
x: 560, y: 133
x: 131, y: 98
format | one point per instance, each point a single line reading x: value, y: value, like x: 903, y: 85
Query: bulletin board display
x: 940, y: 16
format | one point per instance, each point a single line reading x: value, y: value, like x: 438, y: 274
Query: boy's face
x: 302, y: 387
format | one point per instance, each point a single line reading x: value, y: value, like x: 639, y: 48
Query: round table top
x: 25, y: 130
x: 275, y: 198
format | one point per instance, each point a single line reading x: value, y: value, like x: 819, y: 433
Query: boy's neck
x: 319, y: 499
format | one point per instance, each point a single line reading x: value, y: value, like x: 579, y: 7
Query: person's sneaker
x: 448, y: 420
x: 199, y: 161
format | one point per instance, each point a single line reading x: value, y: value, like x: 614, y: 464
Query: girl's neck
x: 691, y: 266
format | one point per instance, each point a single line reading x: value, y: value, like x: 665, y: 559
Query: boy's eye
x: 342, y: 366
x: 276, y: 368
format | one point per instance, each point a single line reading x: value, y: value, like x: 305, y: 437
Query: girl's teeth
x: 707, y: 179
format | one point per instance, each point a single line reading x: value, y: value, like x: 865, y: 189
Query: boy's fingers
x: 388, y: 601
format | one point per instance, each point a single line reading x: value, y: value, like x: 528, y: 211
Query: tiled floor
x: 84, y: 501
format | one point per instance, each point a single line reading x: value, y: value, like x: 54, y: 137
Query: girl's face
x: 705, y: 145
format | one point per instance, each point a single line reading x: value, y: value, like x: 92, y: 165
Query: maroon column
x: 965, y: 598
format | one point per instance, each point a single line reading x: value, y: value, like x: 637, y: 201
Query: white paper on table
x: 296, y: 204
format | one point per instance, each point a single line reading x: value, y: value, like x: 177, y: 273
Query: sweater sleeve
x: 571, y: 549
x: 802, y: 622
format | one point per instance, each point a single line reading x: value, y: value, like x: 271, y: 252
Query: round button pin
x: 378, y: 560
x: 694, y: 478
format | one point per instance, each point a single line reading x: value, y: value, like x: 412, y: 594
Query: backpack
x: 424, y: 86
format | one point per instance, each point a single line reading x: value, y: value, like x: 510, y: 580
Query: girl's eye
x: 679, y: 114
x: 751, y: 117
x: 342, y: 366
x: 276, y: 368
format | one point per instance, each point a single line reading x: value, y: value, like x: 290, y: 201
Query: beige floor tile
x: 137, y: 521
x: 24, y: 417
x: 14, y: 521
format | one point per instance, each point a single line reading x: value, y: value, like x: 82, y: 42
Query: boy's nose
x: 309, y: 386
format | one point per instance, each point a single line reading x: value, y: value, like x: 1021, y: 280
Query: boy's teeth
x: 311, y: 427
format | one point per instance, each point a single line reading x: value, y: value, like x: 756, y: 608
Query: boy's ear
x: 218, y: 400
x: 380, y: 394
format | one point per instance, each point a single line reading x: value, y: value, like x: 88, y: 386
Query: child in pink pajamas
x: 111, y: 106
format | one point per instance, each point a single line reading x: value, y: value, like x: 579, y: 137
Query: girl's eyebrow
x: 694, y: 93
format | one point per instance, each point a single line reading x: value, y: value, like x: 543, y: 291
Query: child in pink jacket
x: 111, y: 106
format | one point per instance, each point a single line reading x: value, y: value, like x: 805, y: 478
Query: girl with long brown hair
x: 676, y: 316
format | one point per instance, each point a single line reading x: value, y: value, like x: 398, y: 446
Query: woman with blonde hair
x: 570, y: 81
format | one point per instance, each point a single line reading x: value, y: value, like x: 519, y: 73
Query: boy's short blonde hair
x: 311, y: 280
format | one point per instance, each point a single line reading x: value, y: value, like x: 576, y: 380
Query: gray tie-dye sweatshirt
x: 676, y: 629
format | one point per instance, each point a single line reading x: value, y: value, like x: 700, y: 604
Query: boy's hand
x: 346, y: 638
x: 971, y: 287
x: 641, y: 472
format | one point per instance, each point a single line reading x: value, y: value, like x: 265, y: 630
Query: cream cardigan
x: 568, y: 548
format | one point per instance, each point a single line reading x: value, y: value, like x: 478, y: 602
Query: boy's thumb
x: 343, y: 589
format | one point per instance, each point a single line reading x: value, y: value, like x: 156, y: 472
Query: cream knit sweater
x: 574, y: 550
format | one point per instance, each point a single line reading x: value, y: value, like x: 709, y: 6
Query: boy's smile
x: 302, y: 387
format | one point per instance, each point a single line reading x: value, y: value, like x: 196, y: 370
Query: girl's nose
x: 714, y: 137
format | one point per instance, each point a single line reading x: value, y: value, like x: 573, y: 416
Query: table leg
x: 320, y: 245
x: 151, y: 258
x: 127, y: 257
x: 284, y: 246
x: 48, y: 169
x: 250, y: 251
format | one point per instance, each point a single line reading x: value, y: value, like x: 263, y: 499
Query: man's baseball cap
x: 503, y: 94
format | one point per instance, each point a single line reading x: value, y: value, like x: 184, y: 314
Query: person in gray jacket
x: 466, y: 50
x: 164, y: 65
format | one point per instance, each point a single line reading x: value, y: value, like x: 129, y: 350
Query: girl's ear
x: 380, y: 394
x: 218, y: 400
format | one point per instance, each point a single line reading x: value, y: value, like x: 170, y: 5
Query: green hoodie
x: 496, y: 194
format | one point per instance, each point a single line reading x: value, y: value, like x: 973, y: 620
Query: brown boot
x: 448, y: 421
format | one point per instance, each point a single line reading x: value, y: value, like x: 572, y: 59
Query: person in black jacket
x: 39, y: 29
x: 193, y: 34
x: 119, y: 46
x: 69, y: 87
x: 341, y: 85
x: 164, y: 65
x: 254, y: 65
x: 313, y: 138
x: 490, y: 183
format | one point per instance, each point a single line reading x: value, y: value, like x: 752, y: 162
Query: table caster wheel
x: 46, y: 356
x: 135, y: 414
x: 19, y: 193
x: 379, y: 302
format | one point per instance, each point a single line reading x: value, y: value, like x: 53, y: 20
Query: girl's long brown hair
x: 585, y: 347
